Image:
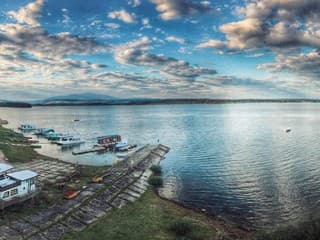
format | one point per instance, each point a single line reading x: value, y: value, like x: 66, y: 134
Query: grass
x: 16, y: 154
x: 148, y: 218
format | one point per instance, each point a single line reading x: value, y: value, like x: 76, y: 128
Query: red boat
x: 70, y: 194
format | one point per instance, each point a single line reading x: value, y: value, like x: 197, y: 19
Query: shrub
x: 181, y: 228
x: 156, y: 169
x: 155, y: 181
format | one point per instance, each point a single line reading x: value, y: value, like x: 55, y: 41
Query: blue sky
x: 160, y: 48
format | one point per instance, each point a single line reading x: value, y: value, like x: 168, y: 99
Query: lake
x: 234, y: 160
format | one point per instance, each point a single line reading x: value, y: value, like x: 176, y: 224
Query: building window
x: 14, y: 192
x: 6, y: 194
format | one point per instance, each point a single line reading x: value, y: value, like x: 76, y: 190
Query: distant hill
x: 107, y: 100
x: 4, y: 103
x: 75, y: 99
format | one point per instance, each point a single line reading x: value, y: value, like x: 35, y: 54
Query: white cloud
x: 173, y: 9
x: 123, y: 16
x: 112, y: 25
x: 28, y: 14
x: 175, y: 39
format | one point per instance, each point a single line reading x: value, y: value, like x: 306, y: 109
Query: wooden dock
x: 104, y: 148
x: 92, y: 150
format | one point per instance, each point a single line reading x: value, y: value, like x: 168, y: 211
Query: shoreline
x: 214, y: 222
x: 233, y: 229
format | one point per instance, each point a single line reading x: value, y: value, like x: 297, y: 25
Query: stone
x: 9, y: 234
x: 84, y: 195
x: 74, y: 224
x: 84, y: 217
x: 127, y: 197
x: 132, y: 193
x: 23, y: 227
x: 38, y: 236
x: 137, y: 189
x: 101, y: 204
x: 119, y: 203
x: 55, y: 232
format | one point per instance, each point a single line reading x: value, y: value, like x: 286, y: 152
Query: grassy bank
x: 149, y: 218
x: 9, y: 141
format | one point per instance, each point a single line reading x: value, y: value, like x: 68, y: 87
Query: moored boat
x: 69, y: 140
x: 122, y: 146
x: 27, y: 127
x: 109, y: 139
x: 43, y: 131
x: 53, y: 136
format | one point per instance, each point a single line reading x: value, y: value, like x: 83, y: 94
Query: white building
x: 16, y: 187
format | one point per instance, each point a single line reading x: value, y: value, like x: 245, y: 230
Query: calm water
x: 233, y: 160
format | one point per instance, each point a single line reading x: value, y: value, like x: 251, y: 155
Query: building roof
x: 23, y: 175
x: 5, y: 167
x: 6, y: 182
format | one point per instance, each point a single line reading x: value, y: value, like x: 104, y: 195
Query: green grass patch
x: 149, y: 218
x: 18, y: 154
x: 15, y: 153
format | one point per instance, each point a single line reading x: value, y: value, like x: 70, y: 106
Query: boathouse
x: 16, y: 187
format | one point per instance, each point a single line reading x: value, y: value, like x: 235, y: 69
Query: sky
x: 226, y: 49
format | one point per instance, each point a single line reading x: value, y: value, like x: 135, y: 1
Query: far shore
x: 117, y: 102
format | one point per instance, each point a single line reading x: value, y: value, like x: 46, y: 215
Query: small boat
x: 69, y: 140
x: 43, y: 131
x: 121, y: 155
x: 96, y: 179
x: 26, y: 127
x: 288, y: 130
x: 122, y: 146
x: 76, y: 120
x: 53, y: 136
x: 70, y: 194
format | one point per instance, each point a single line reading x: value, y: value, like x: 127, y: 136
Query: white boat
x: 27, y: 127
x: 122, y: 146
x: 54, y: 136
x: 69, y: 140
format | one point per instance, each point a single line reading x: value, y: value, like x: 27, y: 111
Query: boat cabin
x: 44, y: 131
x: 109, y: 139
x: 16, y: 187
x: 26, y: 127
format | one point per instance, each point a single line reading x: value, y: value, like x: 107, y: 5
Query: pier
x: 122, y: 184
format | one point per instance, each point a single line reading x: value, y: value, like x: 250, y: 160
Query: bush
x: 155, y: 181
x: 156, y: 169
x: 181, y: 228
x: 185, y: 229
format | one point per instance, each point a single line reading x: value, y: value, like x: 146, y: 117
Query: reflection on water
x: 234, y: 160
